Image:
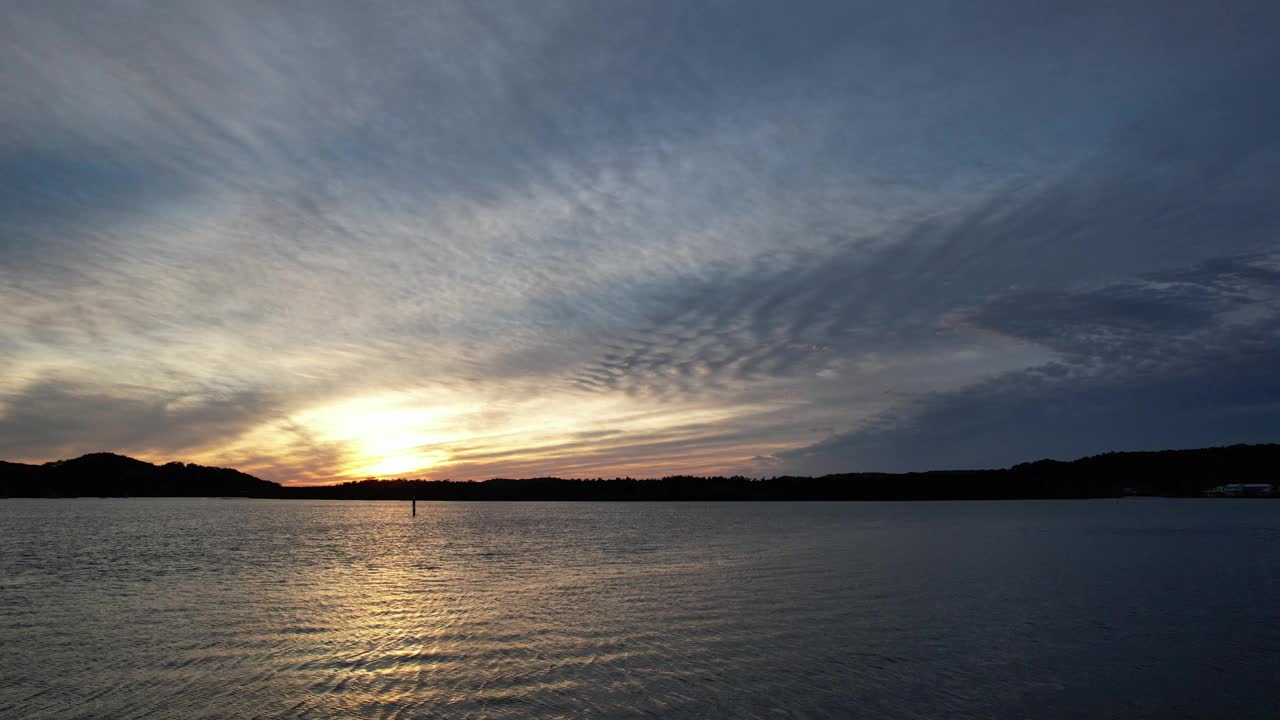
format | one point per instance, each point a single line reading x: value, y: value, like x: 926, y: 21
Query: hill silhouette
x: 108, y: 474
x: 1175, y: 473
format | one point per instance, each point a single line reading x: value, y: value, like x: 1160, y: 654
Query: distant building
x: 1243, y: 490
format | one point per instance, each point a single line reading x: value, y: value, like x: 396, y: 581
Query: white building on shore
x: 1243, y: 490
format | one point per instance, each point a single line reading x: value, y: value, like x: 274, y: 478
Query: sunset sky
x: 327, y: 240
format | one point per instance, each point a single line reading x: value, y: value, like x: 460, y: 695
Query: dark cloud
x: 1180, y: 185
x: 1145, y: 374
x: 56, y: 419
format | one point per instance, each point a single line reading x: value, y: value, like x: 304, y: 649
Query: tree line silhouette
x: 1174, y: 473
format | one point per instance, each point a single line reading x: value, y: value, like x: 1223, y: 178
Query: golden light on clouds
x: 437, y: 435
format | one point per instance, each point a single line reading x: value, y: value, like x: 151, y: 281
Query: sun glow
x: 398, y: 465
x: 386, y: 435
x: 437, y: 434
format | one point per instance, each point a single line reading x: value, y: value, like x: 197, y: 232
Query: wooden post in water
x: 414, y: 506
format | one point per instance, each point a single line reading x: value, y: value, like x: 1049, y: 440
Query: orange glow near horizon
x: 437, y: 436
x: 384, y: 435
x: 398, y: 465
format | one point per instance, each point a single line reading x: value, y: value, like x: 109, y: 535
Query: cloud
x: 1132, y: 374
x: 56, y: 419
x: 794, y: 220
x: 1147, y: 199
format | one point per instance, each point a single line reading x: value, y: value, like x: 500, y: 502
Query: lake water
x: 203, y: 608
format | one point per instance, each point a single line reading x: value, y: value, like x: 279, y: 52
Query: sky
x: 324, y: 240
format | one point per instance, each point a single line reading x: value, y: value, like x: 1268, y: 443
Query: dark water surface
x: 167, y: 608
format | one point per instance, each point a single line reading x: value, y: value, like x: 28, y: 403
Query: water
x: 202, y: 608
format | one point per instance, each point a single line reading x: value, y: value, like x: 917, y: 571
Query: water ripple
x: 268, y: 609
